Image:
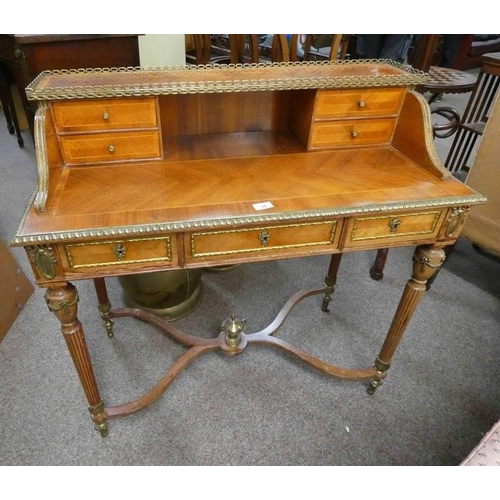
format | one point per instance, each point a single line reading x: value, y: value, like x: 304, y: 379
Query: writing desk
x: 157, y: 169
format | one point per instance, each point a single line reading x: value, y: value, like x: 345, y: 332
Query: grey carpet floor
x: 262, y: 407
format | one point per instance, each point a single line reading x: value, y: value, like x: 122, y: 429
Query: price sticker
x: 263, y: 206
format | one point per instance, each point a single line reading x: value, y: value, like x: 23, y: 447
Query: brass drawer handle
x: 354, y: 133
x: 105, y: 116
x: 111, y: 148
x: 120, y: 251
x: 361, y: 104
x: 394, y: 224
x: 264, y: 237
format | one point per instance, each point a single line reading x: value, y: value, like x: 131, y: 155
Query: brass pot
x: 169, y: 294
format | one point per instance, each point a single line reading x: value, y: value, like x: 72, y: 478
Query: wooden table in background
x: 27, y: 56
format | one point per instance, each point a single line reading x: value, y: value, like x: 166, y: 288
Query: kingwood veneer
x: 148, y: 170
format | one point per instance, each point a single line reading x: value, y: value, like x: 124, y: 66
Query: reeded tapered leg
x: 377, y: 270
x: 104, y: 305
x: 426, y: 261
x: 62, y: 301
x: 331, y: 280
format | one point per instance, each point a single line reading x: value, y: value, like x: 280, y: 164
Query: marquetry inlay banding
x: 116, y: 253
x: 214, y: 243
x: 374, y: 228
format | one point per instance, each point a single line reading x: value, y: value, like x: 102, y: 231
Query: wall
x: 161, y: 50
x: 483, y: 224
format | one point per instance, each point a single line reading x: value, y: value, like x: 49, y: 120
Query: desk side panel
x: 413, y: 135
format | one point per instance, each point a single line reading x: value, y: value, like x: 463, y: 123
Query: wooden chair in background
x: 263, y: 49
x: 319, y: 47
x: 476, y: 113
x: 280, y: 48
x: 253, y: 48
x: 201, y: 49
x: 236, y: 48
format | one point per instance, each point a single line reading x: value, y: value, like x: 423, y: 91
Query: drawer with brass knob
x: 362, y: 231
x: 114, y: 146
x: 105, y: 114
x: 120, y: 253
x: 250, y: 243
x: 357, y: 103
x: 341, y: 133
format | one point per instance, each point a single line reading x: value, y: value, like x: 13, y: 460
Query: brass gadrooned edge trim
x: 126, y: 231
x: 408, y: 77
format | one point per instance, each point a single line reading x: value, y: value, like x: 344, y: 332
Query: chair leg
x: 15, y: 121
x: 6, y: 109
x: 10, y: 113
x: 377, y: 270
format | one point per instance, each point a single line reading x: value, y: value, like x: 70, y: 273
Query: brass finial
x: 232, y: 328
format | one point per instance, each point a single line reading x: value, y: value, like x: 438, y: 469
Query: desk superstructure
x: 142, y: 170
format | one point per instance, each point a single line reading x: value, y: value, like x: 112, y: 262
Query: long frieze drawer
x: 351, y: 133
x: 105, y: 114
x: 357, y: 103
x: 119, y: 252
x: 364, y: 230
x: 263, y: 239
x: 117, y: 146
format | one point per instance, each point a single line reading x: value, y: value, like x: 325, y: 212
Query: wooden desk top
x: 144, y: 197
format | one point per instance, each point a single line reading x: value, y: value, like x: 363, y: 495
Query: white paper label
x: 263, y: 205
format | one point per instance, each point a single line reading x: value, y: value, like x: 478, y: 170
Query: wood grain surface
x: 200, y: 190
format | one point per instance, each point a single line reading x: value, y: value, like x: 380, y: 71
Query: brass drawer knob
x: 354, y: 133
x: 264, y: 237
x: 105, y: 116
x: 120, y: 251
x: 394, y: 224
x: 111, y: 148
x: 361, y: 104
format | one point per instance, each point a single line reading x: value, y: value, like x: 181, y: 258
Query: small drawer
x: 84, y: 256
x: 351, y: 133
x: 280, y: 239
x: 409, y: 226
x: 117, y: 146
x: 105, y: 114
x: 332, y: 104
